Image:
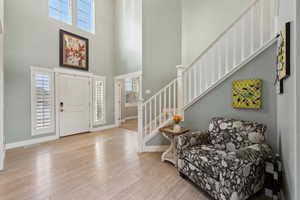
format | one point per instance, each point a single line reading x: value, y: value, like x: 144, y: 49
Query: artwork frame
x: 283, y: 52
x: 247, y: 94
x: 75, y: 54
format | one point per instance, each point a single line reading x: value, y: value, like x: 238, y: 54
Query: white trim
x: 30, y: 142
x: 49, y: 72
x: 2, y: 158
x: 130, y: 105
x: 103, y: 128
x: 129, y: 75
x: 159, y: 148
x: 73, y: 72
x: 130, y: 118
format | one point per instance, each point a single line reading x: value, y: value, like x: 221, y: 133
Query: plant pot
x: 176, y: 128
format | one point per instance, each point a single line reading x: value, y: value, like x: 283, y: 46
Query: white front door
x: 74, y: 104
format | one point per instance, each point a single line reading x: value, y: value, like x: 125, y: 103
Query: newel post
x: 140, y: 126
x: 180, y: 89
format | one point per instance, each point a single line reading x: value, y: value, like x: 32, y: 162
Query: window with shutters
x: 61, y: 10
x: 85, y: 15
x: 99, y: 100
x: 42, y: 101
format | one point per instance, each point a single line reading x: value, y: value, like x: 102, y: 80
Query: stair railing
x: 159, y: 108
x: 237, y: 45
x: 251, y: 33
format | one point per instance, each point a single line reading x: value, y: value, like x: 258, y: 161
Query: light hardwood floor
x: 130, y: 125
x: 93, y: 166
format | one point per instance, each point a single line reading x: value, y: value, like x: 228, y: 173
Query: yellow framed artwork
x: 247, y: 94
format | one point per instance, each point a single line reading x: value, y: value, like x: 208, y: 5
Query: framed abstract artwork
x: 74, y: 51
x: 283, y: 52
x: 246, y: 94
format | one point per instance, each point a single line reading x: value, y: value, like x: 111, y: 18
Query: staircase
x: 249, y: 35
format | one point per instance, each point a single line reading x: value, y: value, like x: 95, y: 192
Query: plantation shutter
x: 99, y: 91
x: 85, y: 15
x: 42, y: 94
x: 60, y: 10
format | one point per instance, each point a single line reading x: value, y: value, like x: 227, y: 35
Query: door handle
x: 61, y: 110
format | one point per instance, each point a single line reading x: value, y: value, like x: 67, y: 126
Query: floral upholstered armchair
x: 227, y: 161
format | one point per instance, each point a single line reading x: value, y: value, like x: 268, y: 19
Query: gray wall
x: 161, y: 46
x: 32, y: 38
x: 161, y: 43
x: 1, y: 84
x: 203, y: 21
x: 128, y: 28
x: 298, y: 95
x: 286, y: 109
x: 219, y: 101
x: 131, y: 111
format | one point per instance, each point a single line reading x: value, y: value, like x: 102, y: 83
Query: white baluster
x: 155, y: 112
x: 234, y: 59
x: 174, y: 97
x: 140, y: 125
x: 243, y: 38
x: 261, y: 5
x: 170, y: 106
x: 227, y: 53
x: 190, y: 85
x: 220, y: 60
x: 146, y: 119
x: 195, y: 81
x: 150, y: 115
x: 252, y: 30
x: 272, y: 17
x: 165, y: 104
x: 160, y: 109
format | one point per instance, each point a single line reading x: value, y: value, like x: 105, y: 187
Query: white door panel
x: 74, y: 97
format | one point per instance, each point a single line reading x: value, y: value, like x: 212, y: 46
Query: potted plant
x: 177, y: 119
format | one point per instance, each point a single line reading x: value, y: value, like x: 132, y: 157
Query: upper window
x: 85, y: 15
x: 42, y: 101
x: 61, y: 10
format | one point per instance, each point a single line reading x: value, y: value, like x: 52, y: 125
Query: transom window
x: 84, y: 18
x: 61, y: 10
x: 85, y: 15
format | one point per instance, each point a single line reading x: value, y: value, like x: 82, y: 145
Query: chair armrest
x: 191, y: 139
x: 245, y: 165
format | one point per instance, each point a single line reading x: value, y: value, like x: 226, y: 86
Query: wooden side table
x: 170, y: 154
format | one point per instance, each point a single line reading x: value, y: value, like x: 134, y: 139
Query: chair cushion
x: 205, y: 158
x: 231, y: 134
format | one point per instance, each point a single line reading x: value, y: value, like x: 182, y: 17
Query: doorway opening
x: 127, y: 95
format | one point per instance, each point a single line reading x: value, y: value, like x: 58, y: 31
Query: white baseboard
x: 103, y: 128
x: 30, y: 142
x: 130, y: 118
x: 160, y: 148
x: 48, y: 138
